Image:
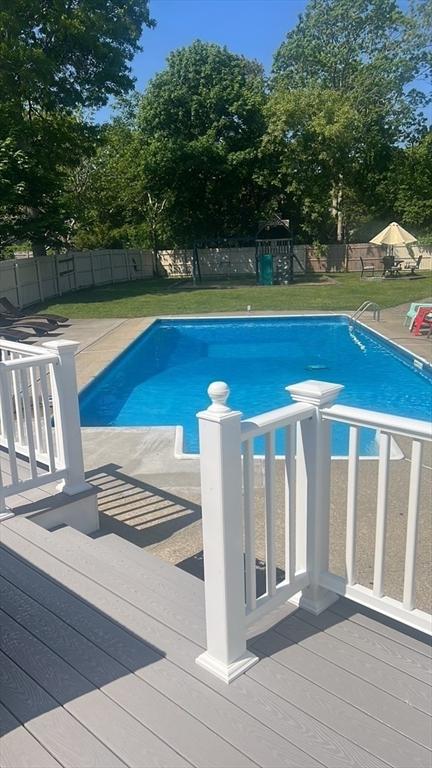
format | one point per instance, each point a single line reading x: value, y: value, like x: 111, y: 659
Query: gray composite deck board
x: 186, y: 734
x: 412, y: 638
x: 125, y: 553
x: 133, y: 743
x: 18, y: 748
x: 187, y: 590
x: 246, y: 732
x: 364, y: 730
x: 394, y: 654
x: 363, y: 695
x: 300, y: 706
x: 84, y: 560
x: 55, y: 728
x: 359, y: 664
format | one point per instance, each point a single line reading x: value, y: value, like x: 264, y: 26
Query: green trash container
x: 265, y: 269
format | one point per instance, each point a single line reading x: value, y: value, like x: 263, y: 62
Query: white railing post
x: 66, y: 416
x: 313, y: 491
x: 226, y: 656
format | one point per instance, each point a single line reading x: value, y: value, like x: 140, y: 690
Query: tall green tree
x: 56, y: 59
x: 366, y: 53
x: 200, y: 124
x: 409, y: 184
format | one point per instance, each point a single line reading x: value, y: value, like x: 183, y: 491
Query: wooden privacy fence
x: 230, y: 262
x: 28, y: 281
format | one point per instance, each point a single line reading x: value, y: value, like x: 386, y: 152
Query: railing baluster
x: 28, y: 422
x: 381, y: 521
x: 6, y: 405
x: 290, y: 509
x: 351, y: 524
x: 47, y: 418
x: 35, y: 399
x: 270, y: 512
x: 53, y: 399
x: 18, y: 407
x: 249, y: 524
x: 409, y: 594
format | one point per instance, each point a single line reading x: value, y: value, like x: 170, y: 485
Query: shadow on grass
x: 167, y: 286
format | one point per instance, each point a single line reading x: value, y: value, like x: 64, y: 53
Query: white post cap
x: 61, y: 345
x: 218, y: 393
x: 317, y: 393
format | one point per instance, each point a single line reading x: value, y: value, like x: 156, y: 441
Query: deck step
x: 80, y: 552
x: 265, y: 733
x: 164, y: 578
x: 266, y: 717
x: 127, y: 552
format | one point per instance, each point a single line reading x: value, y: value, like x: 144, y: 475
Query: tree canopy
x: 336, y: 136
x: 361, y: 56
x: 201, y: 120
x: 57, y: 58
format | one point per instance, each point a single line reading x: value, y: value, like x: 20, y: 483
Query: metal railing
x: 40, y: 439
x: 363, y: 307
x: 228, y: 472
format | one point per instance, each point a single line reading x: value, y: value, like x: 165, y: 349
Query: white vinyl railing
x: 40, y: 440
x: 417, y: 432
x: 228, y: 475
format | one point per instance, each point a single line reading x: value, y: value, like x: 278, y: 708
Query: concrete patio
x: 152, y: 499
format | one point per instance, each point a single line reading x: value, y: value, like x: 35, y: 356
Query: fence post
x: 313, y: 483
x: 66, y: 416
x: 226, y: 656
x: 17, y: 284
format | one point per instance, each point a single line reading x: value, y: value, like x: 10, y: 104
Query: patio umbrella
x: 393, y: 234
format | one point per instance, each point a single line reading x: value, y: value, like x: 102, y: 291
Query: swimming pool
x: 161, y: 379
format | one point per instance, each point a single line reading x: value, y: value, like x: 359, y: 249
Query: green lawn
x: 165, y: 297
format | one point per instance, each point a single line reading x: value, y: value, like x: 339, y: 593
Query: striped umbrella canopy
x: 394, y: 234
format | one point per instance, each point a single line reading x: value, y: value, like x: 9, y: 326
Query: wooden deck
x: 99, y: 641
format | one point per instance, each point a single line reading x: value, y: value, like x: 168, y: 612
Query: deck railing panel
x: 40, y: 438
x: 387, y: 426
x: 229, y: 526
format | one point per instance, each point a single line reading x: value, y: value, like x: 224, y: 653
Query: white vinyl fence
x: 229, y: 516
x: 39, y: 419
x: 29, y: 281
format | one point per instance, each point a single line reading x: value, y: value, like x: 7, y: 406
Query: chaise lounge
x: 38, y: 326
x: 6, y: 307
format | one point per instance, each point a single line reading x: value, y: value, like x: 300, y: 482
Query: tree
x: 409, y: 184
x: 55, y: 59
x: 313, y: 141
x: 200, y: 124
x: 366, y: 53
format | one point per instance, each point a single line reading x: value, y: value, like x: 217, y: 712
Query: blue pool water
x: 162, y: 378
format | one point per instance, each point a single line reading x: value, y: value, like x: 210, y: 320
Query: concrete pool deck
x: 153, y: 499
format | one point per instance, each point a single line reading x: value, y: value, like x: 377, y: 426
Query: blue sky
x: 254, y: 28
